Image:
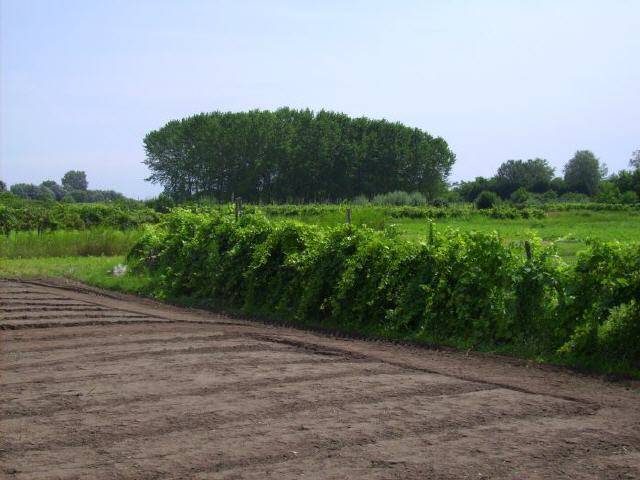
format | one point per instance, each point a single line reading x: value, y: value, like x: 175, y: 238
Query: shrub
x: 400, y: 198
x: 439, y: 203
x: 614, y: 344
x: 520, y: 196
x: 360, y: 200
x: 28, y: 216
x: 574, y: 197
x: 486, y: 199
x: 629, y: 198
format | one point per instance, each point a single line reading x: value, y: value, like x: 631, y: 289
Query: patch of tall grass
x: 65, y: 243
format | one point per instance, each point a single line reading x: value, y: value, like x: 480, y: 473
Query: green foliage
x: 486, y: 199
x: 73, y: 189
x: 41, y: 217
x: 469, y: 191
x: 162, y: 203
x: 583, y: 181
x: 32, y: 192
x: 590, y: 206
x: 456, y: 288
x: 606, y: 274
x: 94, y: 242
x: 400, y: 198
x: 548, y: 196
x: 520, y: 196
x: 583, y: 173
x: 511, y: 213
x: 56, y: 189
x: 634, y: 161
x: 293, y: 156
x: 360, y: 200
x: 609, y: 193
x: 601, y: 306
x: 630, y: 198
x: 615, y: 343
x: 75, y: 180
x: 534, y: 175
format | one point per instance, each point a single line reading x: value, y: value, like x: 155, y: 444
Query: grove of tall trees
x: 293, y: 156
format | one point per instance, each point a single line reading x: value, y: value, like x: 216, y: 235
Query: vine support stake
x: 238, y: 210
x: 349, y: 216
x: 527, y: 249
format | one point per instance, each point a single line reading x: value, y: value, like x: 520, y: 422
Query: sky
x: 82, y: 81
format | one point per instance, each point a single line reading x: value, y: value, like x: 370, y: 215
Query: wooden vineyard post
x: 527, y: 249
x: 238, y: 207
x: 348, y: 216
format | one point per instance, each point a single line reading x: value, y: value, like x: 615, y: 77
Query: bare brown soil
x: 104, y: 386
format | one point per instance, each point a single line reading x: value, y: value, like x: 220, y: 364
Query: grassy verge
x: 94, y: 271
x: 108, y: 242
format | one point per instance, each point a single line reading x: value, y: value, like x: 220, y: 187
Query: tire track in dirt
x: 64, y: 315
x: 88, y: 323
x: 72, y: 435
x: 120, y: 343
x: 61, y: 403
x: 158, y: 353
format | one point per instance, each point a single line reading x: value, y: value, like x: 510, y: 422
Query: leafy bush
x: 520, y: 196
x: 615, y: 342
x: 41, y: 217
x: 486, y: 200
x: 439, y: 202
x: 573, y: 197
x: 630, y: 198
x: 510, y: 213
x: 400, y: 198
x: 463, y: 289
x: 360, y: 200
x: 596, y: 207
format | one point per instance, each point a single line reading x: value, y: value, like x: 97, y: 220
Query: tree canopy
x: 634, y: 161
x: 293, y: 155
x: 32, y: 192
x: 584, y: 172
x: 534, y: 175
x: 75, y: 180
x: 73, y: 189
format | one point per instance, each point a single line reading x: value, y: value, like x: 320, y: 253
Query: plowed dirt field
x: 103, y: 386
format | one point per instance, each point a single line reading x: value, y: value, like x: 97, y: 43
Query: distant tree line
x: 73, y: 188
x: 293, y: 156
x: 584, y: 177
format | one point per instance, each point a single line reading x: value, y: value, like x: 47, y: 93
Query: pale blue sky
x: 83, y: 81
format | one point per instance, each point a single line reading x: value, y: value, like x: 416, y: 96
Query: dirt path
x: 104, y: 387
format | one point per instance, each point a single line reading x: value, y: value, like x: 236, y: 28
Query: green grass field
x: 569, y: 230
x: 90, y: 270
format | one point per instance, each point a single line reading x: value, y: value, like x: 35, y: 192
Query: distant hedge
x: 593, y: 206
x: 74, y: 216
x: 465, y: 289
